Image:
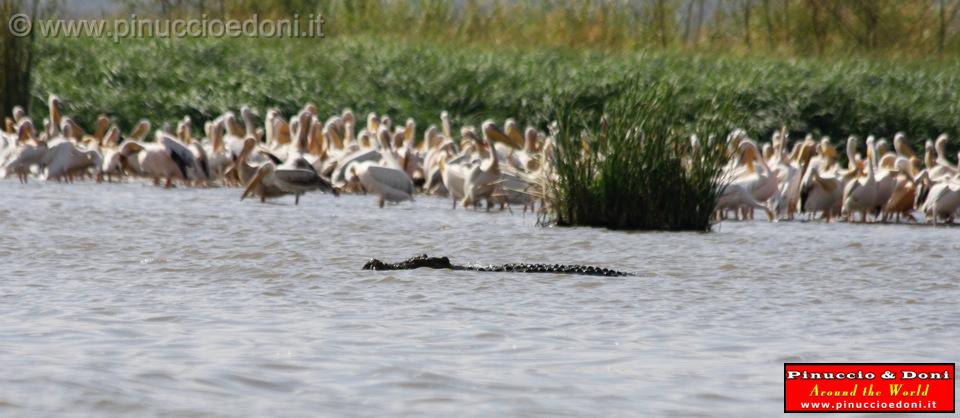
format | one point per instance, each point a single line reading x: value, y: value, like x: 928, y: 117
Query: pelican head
x: 901, y: 146
x: 469, y: 134
x: 373, y: 122
x: 941, y: 146
x: 409, y: 130
x: 140, y: 130
x: 54, y: 106
x: 112, y: 137
x: 18, y: 114
x: 530, y: 139
x: 928, y: 159
x: 748, y: 153
x: 871, y: 150
x: 383, y: 137
x: 445, y: 124
x: 25, y: 130
x: 903, y: 165
x: 398, y: 138
x: 767, y: 151
x: 826, y: 149
x: 233, y: 127
x: 101, y: 126
x: 334, y: 128
x: 348, y: 117
x: 429, y: 137
x: 852, y: 151
x: 184, y: 131
x: 257, y: 179
x: 888, y: 161
x: 248, y: 144
x: 281, y: 130
x: 492, y: 133
x: 882, y: 146
x: 733, y: 140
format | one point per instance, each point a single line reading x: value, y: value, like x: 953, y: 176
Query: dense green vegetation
x: 637, y: 168
x: 164, y: 80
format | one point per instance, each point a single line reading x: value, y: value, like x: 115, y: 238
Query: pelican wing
x: 392, y: 184
x: 179, y: 152
x: 273, y: 157
x: 298, y: 177
x: 340, y: 173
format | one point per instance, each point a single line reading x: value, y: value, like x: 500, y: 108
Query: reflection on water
x: 132, y: 300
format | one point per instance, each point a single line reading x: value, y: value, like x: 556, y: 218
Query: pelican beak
x: 230, y: 170
x: 497, y: 135
x: 254, y: 183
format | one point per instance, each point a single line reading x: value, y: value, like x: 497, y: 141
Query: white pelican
x: 789, y: 173
x: 64, y: 159
x: 860, y: 195
x: 389, y: 184
x: 219, y: 158
x: 940, y: 145
x: 111, y: 155
x: 943, y: 201
x: 167, y: 158
x: 762, y: 183
x: 246, y: 171
x: 297, y: 175
x: 902, y: 147
x: 940, y: 167
x: 296, y: 179
x: 117, y: 160
x: 737, y: 196
x: 453, y: 177
x: 26, y: 155
x: 480, y: 180
x: 886, y: 175
x: 821, y: 193
x: 513, y: 136
x: 904, y: 194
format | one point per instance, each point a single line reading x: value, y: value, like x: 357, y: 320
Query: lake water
x: 126, y: 299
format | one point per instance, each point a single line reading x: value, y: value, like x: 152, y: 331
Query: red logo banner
x: 869, y: 387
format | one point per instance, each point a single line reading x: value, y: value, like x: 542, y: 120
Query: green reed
x: 638, y: 167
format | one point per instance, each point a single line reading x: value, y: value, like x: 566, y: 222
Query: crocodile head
x: 375, y: 264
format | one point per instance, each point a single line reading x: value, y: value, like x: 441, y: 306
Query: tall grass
x: 823, y: 27
x: 638, y: 167
x: 163, y: 80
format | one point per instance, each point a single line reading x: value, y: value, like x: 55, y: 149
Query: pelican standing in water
x: 167, y: 158
x: 296, y: 176
x: 26, y: 155
x: 860, y: 195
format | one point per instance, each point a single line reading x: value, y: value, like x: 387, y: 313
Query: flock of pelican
x: 495, y: 167
x: 287, y: 157
x: 889, y: 184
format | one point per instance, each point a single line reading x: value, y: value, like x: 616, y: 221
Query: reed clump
x: 646, y: 164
